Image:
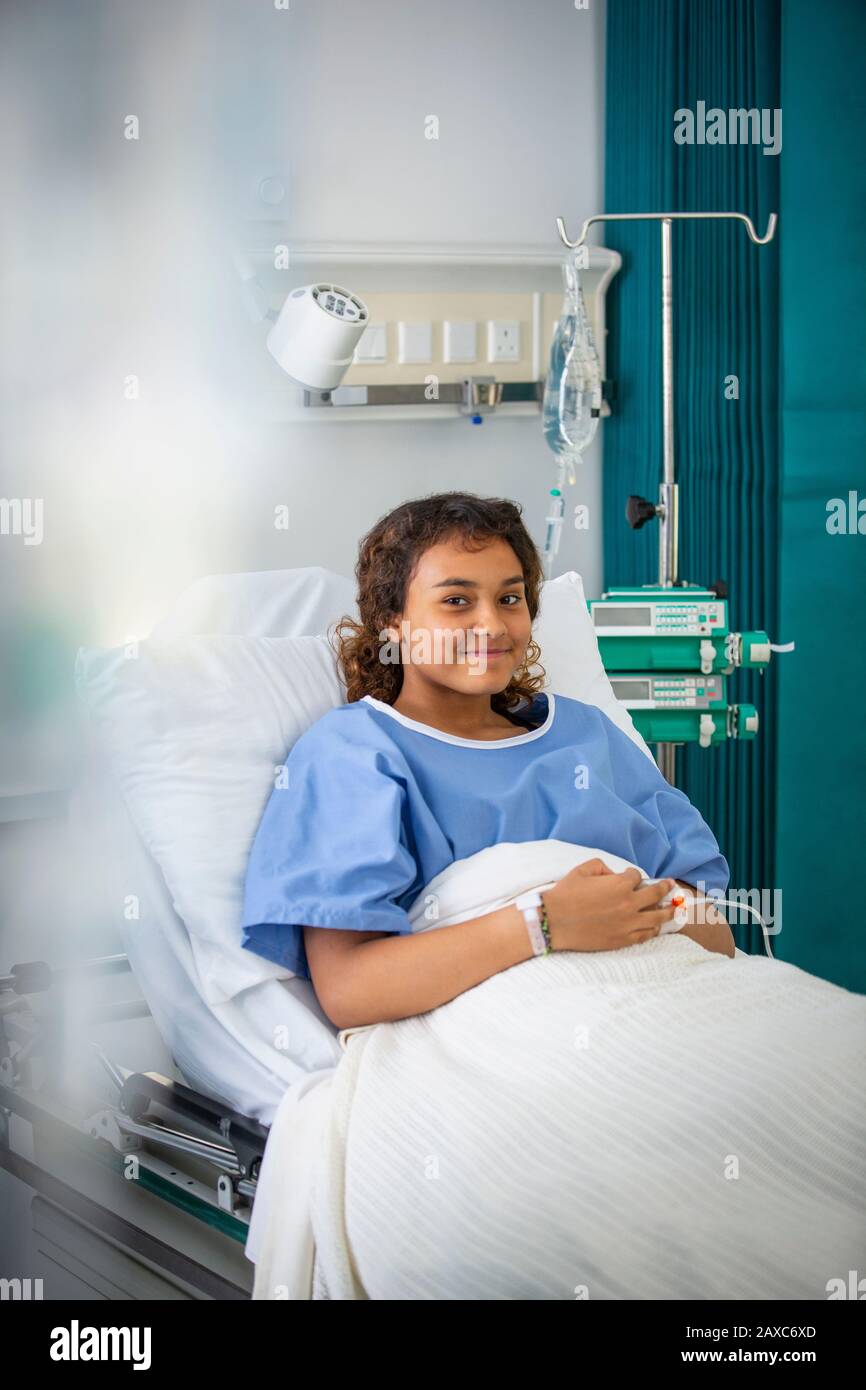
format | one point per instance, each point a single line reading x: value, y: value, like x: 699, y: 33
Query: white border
x: 468, y: 742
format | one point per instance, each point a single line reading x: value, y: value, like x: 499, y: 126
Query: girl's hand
x: 593, y: 909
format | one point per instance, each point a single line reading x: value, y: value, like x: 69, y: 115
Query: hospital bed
x: 139, y: 1116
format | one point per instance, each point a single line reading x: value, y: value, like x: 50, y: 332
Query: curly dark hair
x: 387, y: 558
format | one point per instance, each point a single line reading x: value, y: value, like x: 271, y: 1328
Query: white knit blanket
x: 654, y: 1122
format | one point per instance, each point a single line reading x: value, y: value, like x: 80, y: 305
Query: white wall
x: 116, y: 260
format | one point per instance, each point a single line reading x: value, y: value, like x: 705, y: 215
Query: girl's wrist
x: 534, y: 911
x: 553, y: 915
x: 702, y: 910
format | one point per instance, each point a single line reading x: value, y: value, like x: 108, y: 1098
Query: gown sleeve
x: 331, y: 850
x: 670, y: 837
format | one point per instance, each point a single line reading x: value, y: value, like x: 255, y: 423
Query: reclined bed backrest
x: 247, y: 1049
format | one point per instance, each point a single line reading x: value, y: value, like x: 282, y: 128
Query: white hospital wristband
x: 531, y: 906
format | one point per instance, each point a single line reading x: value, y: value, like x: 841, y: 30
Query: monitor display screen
x: 623, y: 617
x: 631, y: 690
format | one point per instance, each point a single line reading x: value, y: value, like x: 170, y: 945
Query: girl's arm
x: 375, y: 977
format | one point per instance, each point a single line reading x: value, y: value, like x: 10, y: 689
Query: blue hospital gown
x: 376, y: 805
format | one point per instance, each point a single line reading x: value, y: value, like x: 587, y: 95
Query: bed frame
x: 141, y: 1190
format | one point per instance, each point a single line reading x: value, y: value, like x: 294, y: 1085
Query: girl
x: 447, y: 745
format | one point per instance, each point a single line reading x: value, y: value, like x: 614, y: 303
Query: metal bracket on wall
x: 474, y: 395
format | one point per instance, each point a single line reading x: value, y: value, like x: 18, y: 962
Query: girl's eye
x: 461, y: 598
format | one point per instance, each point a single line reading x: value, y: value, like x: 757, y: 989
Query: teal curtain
x: 663, y: 55
x: 757, y: 474
x: 822, y: 736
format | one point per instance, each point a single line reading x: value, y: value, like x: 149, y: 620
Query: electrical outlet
x: 503, y: 340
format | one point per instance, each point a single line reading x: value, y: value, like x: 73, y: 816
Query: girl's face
x: 466, y: 624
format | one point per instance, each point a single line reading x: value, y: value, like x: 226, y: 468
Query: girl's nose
x: 491, y: 623
x: 492, y: 634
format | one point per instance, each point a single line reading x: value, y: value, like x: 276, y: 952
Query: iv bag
x: 572, y: 393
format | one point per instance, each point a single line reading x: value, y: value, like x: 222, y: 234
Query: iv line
x: 730, y: 902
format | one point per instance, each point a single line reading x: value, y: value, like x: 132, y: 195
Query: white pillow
x: 263, y: 603
x: 570, y: 655
x: 195, y: 728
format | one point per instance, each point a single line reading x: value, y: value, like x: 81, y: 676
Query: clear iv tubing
x: 554, y: 520
x: 554, y: 524
x: 729, y: 902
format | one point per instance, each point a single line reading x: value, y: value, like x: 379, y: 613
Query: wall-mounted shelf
x: 421, y: 283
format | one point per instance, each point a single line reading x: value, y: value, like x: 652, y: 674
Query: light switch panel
x: 373, y: 344
x: 415, y: 342
x: 460, y: 343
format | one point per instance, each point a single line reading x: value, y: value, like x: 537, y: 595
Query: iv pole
x: 667, y: 509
